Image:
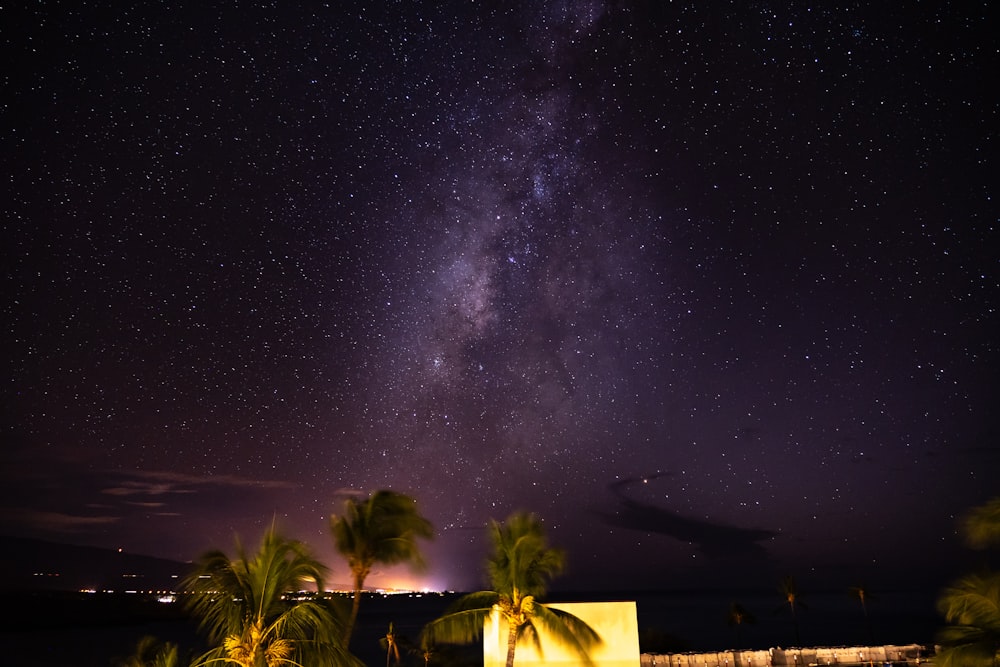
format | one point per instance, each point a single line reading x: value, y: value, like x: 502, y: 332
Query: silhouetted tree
x: 519, y: 569
x: 391, y: 645
x: 790, y: 592
x: 862, y: 593
x: 150, y: 652
x: 383, y: 528
x: 971, y: 606
x: 243, y: 606
x: 737, y: 617
x: 981, y: 525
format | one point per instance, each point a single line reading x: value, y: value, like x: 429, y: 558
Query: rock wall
x: 911, y: 654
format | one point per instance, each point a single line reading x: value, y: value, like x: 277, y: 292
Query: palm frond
x: 328, y: 654
x: 216, y: 587
x: 528, y: 634
x: 278, y: 652
x: 214, y: 656
x: 239, y: 651
x: 739, y: 615
x: 151, y: 652
x: 460, y: 627
x: 522, y: 563
x: 973, y: 600
x: 144, y: 651
x: 566, y: 629
x: 308, y: 619
x: 972, y: 608
x: 519, y: 569
x: 976, y: 654
x: 382, y: 528
x: 167, y: 656
x: 981, y: 525
x: 953, y: 635
x: 477, y: 600
x: 242, y: 603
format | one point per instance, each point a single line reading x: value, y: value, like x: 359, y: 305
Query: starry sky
x: 710, y: 287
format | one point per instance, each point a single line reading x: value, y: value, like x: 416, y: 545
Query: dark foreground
x: 99, y: 630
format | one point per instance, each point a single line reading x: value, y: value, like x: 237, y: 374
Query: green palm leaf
x: 567, y: 629
x: 150, y: 652
x: 457, y: 627
x: 981, y: 526
x: 519, y: 569
x: 242, y: 604
x: 972, y: 607
x: 383, y: 528
x: 973, y: 600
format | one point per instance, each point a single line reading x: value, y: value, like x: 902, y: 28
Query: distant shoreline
x: 669, y: 622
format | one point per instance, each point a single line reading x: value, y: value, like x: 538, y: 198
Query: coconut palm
x: 243, y: 607
x: 391, y: 645
x: 864, y: 595
x: 519, y: 569
x: 150, y: 652
x: 790, y: 591
x: 971, y: 605
x: 736, y: 617
x: 972, y: 608
x: 384, y: 529
x: 981, y: 526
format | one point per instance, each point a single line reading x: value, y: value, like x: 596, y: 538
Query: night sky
x: 711, y: 287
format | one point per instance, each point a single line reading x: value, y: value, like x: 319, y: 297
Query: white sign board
x: 614, y: 622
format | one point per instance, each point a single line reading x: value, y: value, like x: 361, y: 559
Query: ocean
x: 75, y: 630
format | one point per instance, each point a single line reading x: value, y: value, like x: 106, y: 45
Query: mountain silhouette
x: 30, y: 564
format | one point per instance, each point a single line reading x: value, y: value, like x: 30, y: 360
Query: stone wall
x: 911, y: 654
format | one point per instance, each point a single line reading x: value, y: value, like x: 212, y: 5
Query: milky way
x: 699, y: 286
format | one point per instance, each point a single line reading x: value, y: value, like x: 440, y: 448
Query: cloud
x: 161, y: 482
x: 58, y: 522
x: 713, y: 539
x: 213, y: 480
x: 130, y: 488
x: 346, y: 492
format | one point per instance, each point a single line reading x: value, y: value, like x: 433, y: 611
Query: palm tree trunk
x: 511, y: 643
x: 359, y: 583
x: 868, y: 622
x: 795, y: 624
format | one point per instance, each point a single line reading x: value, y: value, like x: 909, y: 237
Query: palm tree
x: 380, y: 529
x: 971, y: 605
x: 737, y: 616
x: 972, y: 608
x: 519, y: 570
x: 981, y: 526
x: 243, y: 606
x: 391, y: 645
x: 790, y: 591
x: 863, y: 594
x: 150, y: 652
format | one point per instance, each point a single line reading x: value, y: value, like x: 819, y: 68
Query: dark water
x: 83, y: 631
